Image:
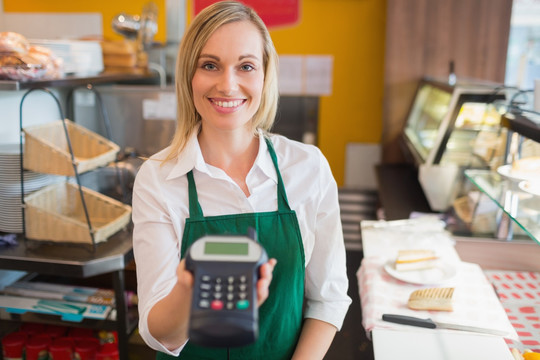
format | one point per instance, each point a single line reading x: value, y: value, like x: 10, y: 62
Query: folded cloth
x: 475, y: 302
x: 8, y: 240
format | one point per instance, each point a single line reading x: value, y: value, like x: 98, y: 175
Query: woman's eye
x: 208, y: 66
x: 247, y: 67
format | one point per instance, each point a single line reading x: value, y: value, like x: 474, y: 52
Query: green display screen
x: 224, y: 248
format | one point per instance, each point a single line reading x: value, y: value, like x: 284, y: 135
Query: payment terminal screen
x: 224, y: 248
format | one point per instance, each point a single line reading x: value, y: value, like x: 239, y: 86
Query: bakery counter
x: 383, y: 290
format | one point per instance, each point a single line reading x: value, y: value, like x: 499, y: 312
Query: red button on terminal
x: 216, y: 305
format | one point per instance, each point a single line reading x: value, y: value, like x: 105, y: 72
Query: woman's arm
x: 169, y: 318
x: 315, y: 339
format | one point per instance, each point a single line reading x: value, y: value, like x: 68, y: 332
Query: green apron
x: 280, y: 317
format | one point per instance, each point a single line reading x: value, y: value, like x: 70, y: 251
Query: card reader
x: 224, y: 309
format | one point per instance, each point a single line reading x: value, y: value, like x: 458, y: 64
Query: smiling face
x: 229, y: 78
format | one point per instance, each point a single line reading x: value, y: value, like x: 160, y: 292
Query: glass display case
x: 513, y: 188
x: 429, y: 107
x: 451, y: 128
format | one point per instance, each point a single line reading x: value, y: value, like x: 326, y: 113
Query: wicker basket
x: 46, y: 148
x: 56, y: 213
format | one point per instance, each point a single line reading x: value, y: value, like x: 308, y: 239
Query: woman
x: 224, y: 173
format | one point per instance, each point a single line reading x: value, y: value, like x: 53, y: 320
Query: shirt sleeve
x: 154, y: 237
x: 326, y: 273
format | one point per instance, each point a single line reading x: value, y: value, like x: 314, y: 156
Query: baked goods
x: 21, y: 61
x: 529, y: 167
x: 124, y: 57
x: 416, y: 259
x: 431, y: 299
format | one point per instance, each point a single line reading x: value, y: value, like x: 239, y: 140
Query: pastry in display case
x: 451, y: 128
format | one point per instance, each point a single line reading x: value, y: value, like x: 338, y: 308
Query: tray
x: 56, y: 213
x: 46, y: 148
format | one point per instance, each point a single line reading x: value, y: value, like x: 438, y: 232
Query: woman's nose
x: 227, y: 83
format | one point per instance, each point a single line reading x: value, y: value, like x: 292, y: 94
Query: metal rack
x: 66, y: 260
x: 75, y: 170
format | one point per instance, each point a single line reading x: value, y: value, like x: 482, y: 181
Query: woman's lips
x: 227, y: 105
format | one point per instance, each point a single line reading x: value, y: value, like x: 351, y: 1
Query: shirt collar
x: 192, y: 158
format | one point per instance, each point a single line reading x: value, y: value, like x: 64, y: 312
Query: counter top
x: 475, y: 301
x: 73, y: 260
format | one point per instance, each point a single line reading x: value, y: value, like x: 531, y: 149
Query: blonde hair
x: 196, y: 36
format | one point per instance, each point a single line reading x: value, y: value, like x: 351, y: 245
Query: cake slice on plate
x: 417, y: 259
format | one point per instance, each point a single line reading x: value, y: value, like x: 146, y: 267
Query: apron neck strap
x: 283, y: 203
x: 195, y: 210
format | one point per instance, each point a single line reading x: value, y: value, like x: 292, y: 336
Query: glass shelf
x: 521, y: 207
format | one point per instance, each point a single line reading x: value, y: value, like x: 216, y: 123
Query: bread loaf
x: 431, y: 299
x: 124, y: 47
x: 415, y: 260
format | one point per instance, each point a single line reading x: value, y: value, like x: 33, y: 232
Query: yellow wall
x: 353, y: 32
x: 108, y: 8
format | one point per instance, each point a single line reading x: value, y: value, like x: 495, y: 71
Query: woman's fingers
x: 264, y: 281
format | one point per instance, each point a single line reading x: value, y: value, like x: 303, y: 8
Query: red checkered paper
x: 519, y: 292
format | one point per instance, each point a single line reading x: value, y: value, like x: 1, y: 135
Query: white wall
x: 38, y: 108
x: 360, y: 161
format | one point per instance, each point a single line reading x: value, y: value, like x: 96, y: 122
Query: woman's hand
x: 265, y: 273
x: 168, y: 320
x: 185, y: 277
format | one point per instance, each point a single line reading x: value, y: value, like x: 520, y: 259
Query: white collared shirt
x: 161, y: 205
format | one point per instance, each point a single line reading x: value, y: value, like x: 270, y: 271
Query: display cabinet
x: 514, y: 190
x: 451, y: 128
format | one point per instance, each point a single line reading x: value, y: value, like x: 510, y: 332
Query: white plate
x: 506, y: 171
x: 442, y: 272
x: 530, y: 187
